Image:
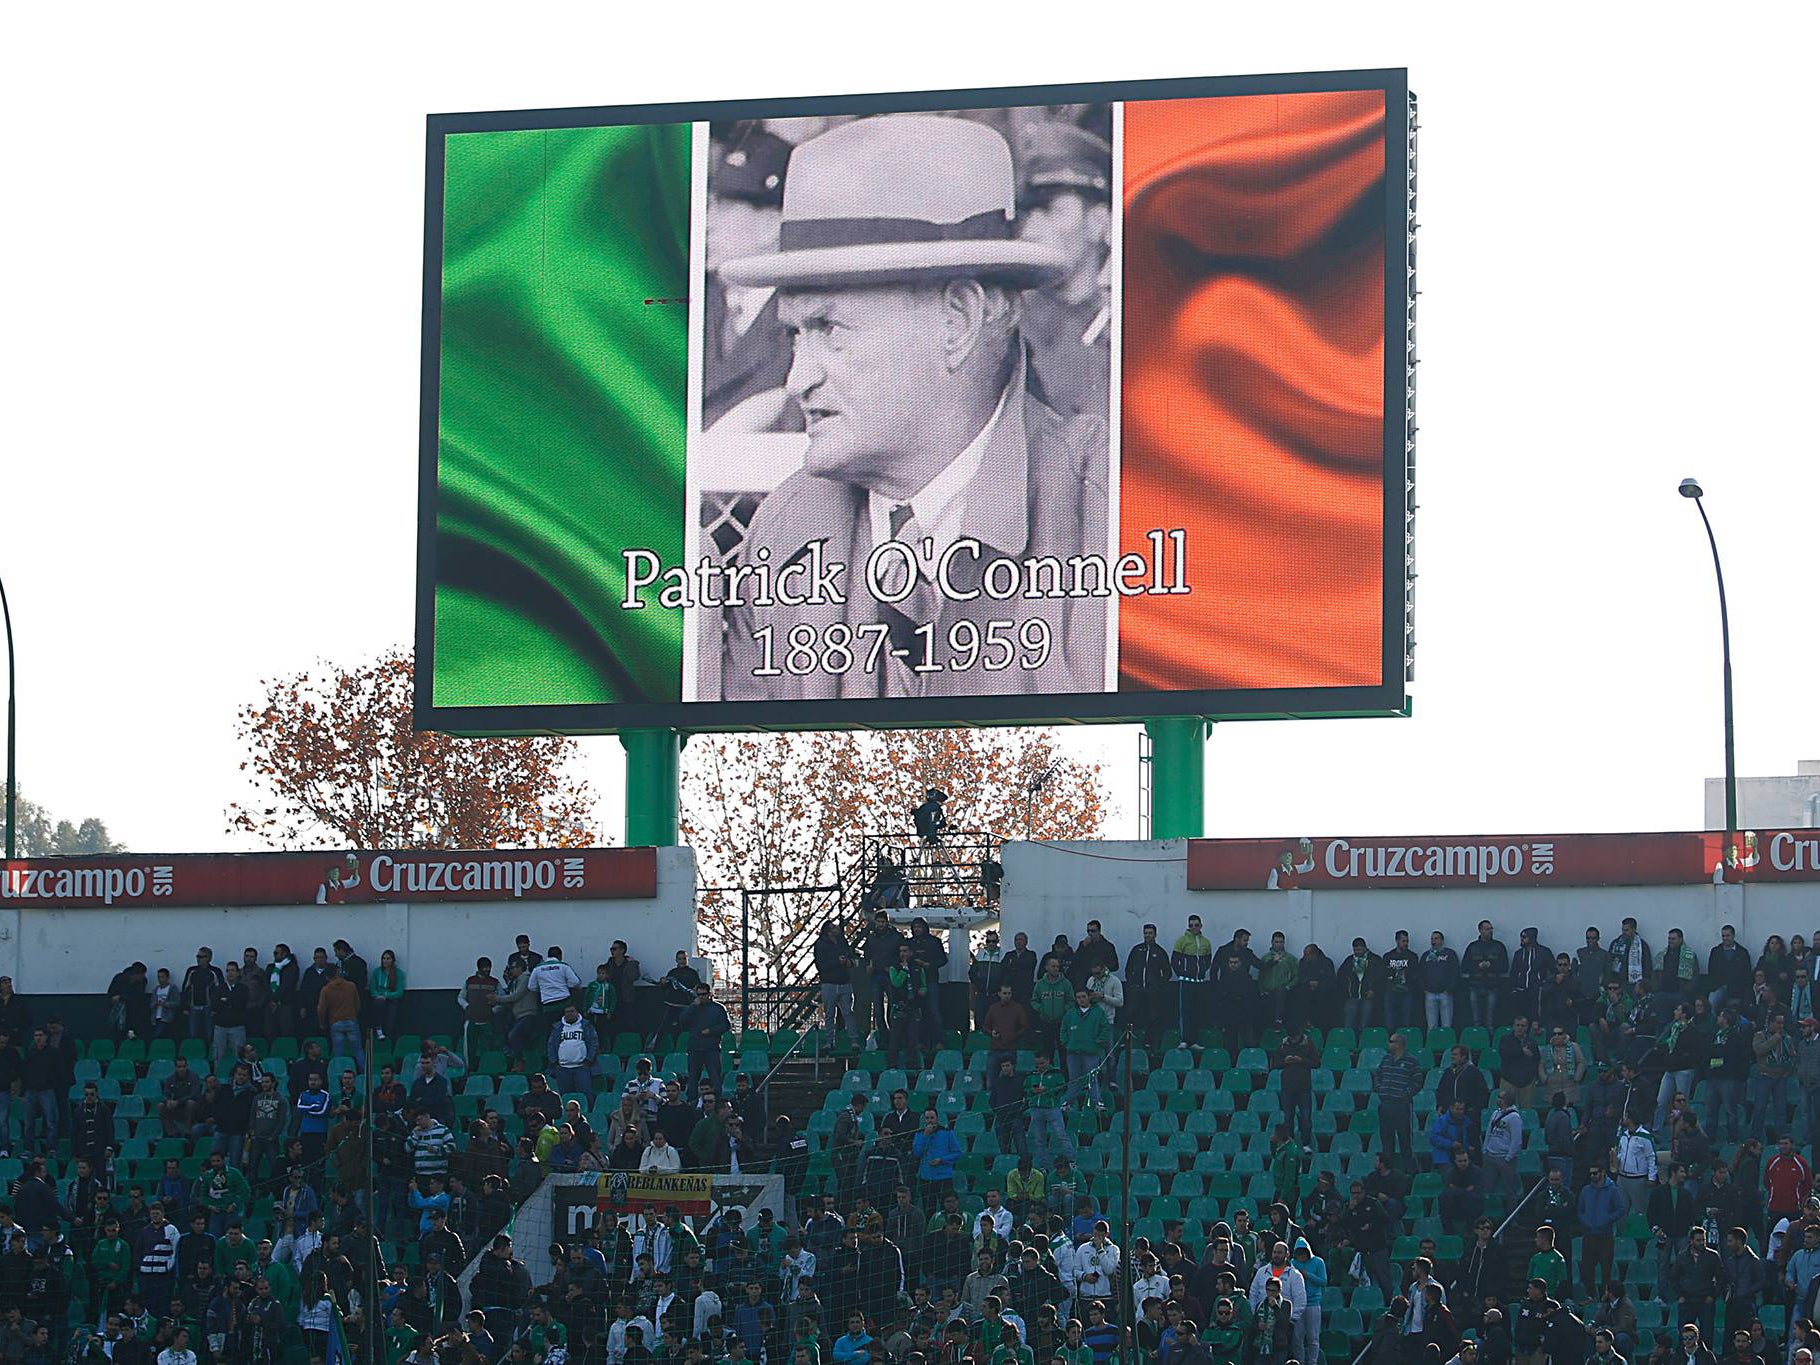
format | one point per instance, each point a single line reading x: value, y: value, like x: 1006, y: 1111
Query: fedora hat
x: 899, y: 198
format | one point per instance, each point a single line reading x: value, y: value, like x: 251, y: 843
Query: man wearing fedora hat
x: 900, y: 279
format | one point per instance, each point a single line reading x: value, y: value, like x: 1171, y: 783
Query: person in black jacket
x: 281, y: 978
x: 1697, y: 1280
x: 1147, y: 988
x: 1311, y: 1002
x: 834, y: 969
x: 202, y: 986
x: 1531, y: 1329
x: 1479, y: 1276
x: 1693, y: 1350
x: 1295, y: 1060
x: 1096, y: 951
x: 1483, y: 967
x: 927, y: 952
x: 1531, y: 968
x: 309, y: 986
x: 1463, y: 1081
x: 129, y: 1005
x: 11, y: 1073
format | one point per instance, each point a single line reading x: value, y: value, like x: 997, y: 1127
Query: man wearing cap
x: 1065, y: 201
x: 901, y: 281
x: 744, y: 349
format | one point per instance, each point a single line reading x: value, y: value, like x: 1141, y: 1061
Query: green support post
x: 653, y: 759
x: 1178, y: 777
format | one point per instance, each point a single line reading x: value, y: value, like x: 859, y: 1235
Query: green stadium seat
x: 1253, y: 1059
x: 1202, y: 1123
x: 1199, y: 1082
x: 1178, y: 1059
x: 1181, y: 1104
x: 1442, y: 1039
x: 1216, y: 1060
x: 1236, y: 1082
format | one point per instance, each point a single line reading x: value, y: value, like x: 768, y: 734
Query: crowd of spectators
x: 1646, y: 1117
x: 1167, y: 1155
x: 253, y: 1164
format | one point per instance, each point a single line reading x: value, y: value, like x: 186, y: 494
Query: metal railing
x: 955, y: 877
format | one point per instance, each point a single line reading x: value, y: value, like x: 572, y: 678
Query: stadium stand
x: 1166, y: 1153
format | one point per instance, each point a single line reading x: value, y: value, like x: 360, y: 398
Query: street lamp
x: 12, y: 789
x: 1690, y: 488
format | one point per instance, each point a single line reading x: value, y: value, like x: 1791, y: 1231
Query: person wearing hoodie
x: 1601, y: 1207
x: 1448, y: 1129
x: 1309, y: 1001
x: 1314, y: 1279
x: 1532, y: 966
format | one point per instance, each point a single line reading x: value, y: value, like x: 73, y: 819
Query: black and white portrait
x: 904, y: 452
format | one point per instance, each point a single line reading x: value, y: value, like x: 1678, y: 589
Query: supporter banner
x: 327, y: 878
x: 1533, y: 860
x: 632, y: 1191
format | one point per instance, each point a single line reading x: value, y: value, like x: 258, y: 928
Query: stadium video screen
x: 1064, y: 403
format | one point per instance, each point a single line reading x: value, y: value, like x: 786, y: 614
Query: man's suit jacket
x: 1040, y: 490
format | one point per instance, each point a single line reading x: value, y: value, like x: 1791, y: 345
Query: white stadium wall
x: 1055, y: 888
x: 72, y: 952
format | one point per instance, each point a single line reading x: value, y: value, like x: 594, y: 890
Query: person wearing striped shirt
x: 1397, y: 1080
x: 429, y: 1144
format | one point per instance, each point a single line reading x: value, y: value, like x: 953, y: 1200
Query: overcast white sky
x: 208, y: 466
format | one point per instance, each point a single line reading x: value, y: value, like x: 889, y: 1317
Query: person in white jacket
x: 554, y: 981
x: 1295, y: 1288
x: 1096, y: 1264
x: 1151, y: 1282
x: 660, y: 1155
x: 1106, y: 991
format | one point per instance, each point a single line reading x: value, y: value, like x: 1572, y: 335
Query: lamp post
x: 1690, y: 488
x: 12, y: 786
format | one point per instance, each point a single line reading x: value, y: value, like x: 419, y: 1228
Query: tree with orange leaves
x: 335, y: 761
x: 791, y: 810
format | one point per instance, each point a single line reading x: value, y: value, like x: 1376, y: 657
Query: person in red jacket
x: 1787, y: 1180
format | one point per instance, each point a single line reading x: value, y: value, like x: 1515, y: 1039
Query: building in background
x: 1770, y: 802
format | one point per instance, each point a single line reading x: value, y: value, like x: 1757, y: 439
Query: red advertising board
x: 1407, y: 862
x: 328, y: 878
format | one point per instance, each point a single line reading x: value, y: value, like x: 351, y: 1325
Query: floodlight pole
x: 12, y: 728
x: 1691, y: 489
x: 1178, y: 776
x: 653, y: 765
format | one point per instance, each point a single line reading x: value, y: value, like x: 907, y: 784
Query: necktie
x: 901, y: 627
